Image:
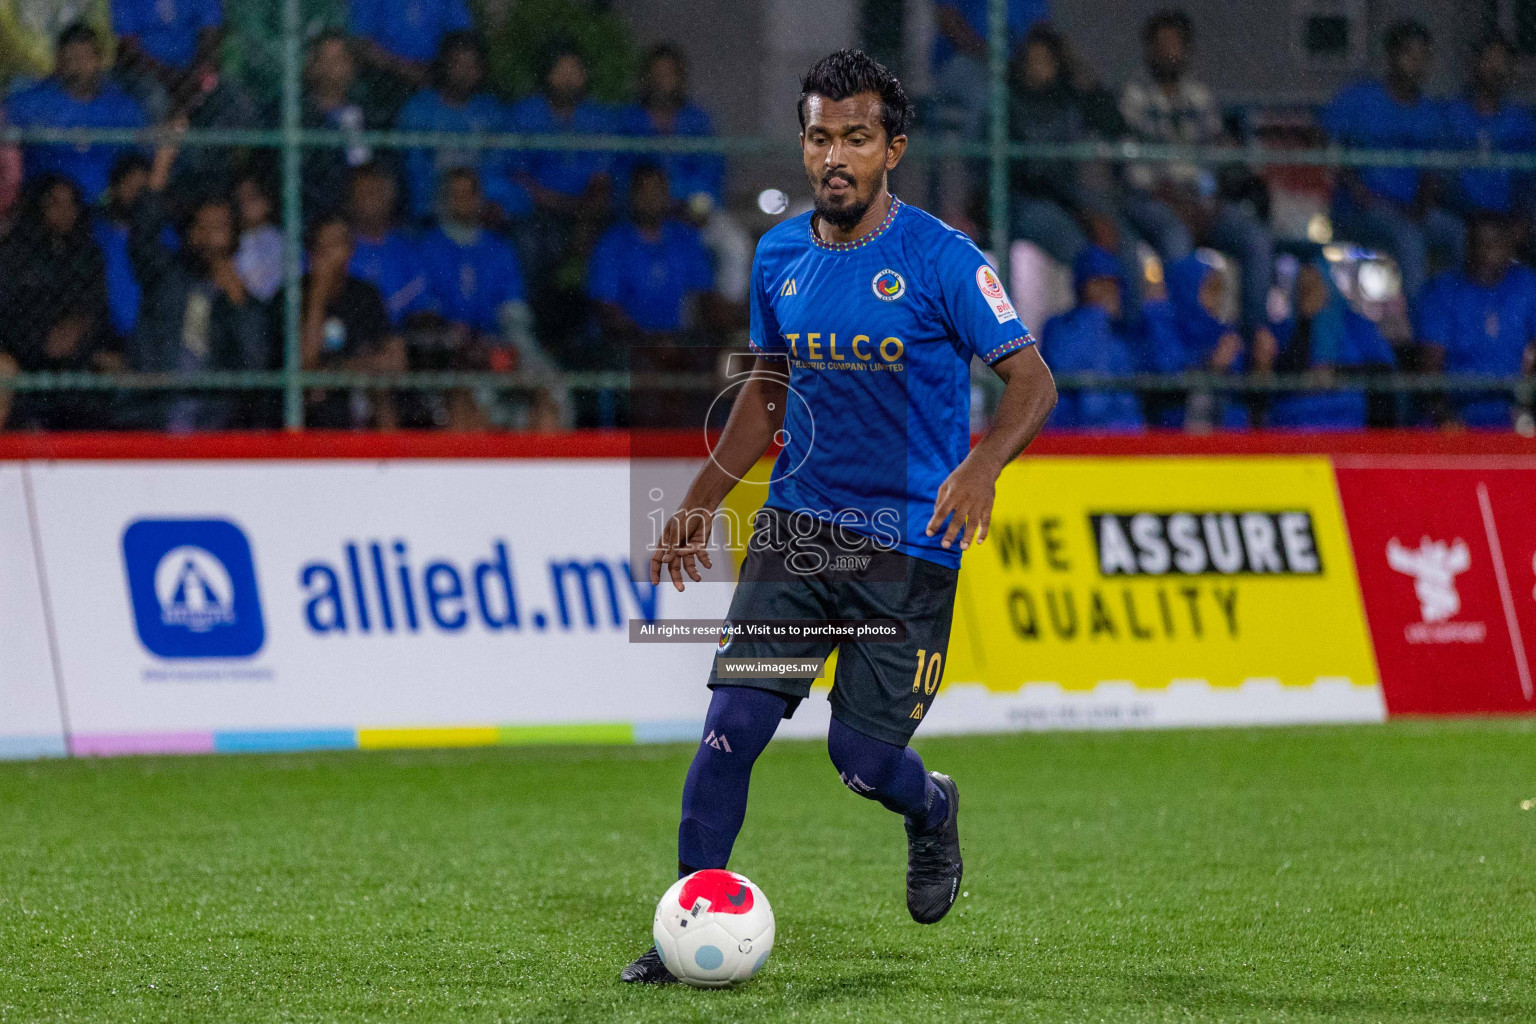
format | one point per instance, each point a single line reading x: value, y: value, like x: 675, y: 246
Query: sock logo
x: 856, y: 784
x: 718, y: 741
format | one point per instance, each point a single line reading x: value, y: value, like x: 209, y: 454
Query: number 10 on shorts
x: 929, y: 668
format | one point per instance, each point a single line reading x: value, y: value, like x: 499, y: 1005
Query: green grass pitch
x: 1331, y: 874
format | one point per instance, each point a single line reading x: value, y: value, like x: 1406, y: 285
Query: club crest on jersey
x: 889, y: 285
x: 992, y: 289
x: 726, y: 636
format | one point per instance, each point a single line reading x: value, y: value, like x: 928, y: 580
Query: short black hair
x: 76, y: 32
x: 850, y: 72
x: 1168, y: 17
x: 1401, y: 33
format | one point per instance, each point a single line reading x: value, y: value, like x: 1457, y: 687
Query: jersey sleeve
x: 976, y: 305
x: 763, y: 331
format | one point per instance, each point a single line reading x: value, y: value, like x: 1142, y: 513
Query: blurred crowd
x: 169, y: 258
x: 1176, y: 266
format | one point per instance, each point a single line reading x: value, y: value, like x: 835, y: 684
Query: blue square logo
x: 193, y: 587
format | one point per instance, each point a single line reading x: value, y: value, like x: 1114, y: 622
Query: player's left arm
x: 1029, y: 395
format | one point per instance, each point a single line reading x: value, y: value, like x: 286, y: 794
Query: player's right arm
x: 756, y: 418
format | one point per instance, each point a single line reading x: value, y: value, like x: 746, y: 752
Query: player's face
x: 847, y: 155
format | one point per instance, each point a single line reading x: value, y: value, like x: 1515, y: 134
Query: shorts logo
x: 992, y: 290
x: 888, y: 285
x: 192, y: 583
x: 725, y: 637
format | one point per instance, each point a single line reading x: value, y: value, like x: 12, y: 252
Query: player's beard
x: 846, y: 215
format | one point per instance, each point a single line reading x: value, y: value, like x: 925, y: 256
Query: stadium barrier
x: 287, y: 592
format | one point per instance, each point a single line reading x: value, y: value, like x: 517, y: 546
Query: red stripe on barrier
x: 609, y: 444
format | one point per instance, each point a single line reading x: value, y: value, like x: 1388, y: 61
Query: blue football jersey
x: 879, y: 334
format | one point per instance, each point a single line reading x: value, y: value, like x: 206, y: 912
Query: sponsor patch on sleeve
x: 992, y: 288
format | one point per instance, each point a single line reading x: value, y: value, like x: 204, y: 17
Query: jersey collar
x: 862, y: 240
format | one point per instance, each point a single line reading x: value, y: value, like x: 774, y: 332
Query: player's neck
x: 872, y: 219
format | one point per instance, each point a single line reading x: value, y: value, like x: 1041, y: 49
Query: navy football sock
x: 882, y: 771
x: 738, y: 726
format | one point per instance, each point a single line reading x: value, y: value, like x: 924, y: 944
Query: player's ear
x: 894, y: 150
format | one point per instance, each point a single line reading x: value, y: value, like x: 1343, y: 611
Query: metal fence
x: 290, y: 141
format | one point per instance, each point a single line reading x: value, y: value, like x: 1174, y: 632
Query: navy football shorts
x: 882, y: 688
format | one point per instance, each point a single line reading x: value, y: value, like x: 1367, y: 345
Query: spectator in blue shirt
x: 383, y: 255
x: 1186, y: 332
x: 477, y: 283
x: 1321, y: 336
x: 664, y: 109
x: 1485, y: 121
x: 399, y: 38
x: 1087, y: 339
x: 649, y: 273
x: 651, y: 281
x: 76, y: 96
x: 697, y: 179
x: 565, y: 182
x: 475, y: 276
x: 456, y: 103
x: 1394, y: 208
x: 1481, y: 319
x: 166, y: 42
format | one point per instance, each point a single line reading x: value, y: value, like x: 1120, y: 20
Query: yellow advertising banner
x: 1158, y: 571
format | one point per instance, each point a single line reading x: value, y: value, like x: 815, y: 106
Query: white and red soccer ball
x: 713, y: 928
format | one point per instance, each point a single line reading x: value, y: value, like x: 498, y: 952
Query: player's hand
x: 966, y: 498
x: 684, y: 539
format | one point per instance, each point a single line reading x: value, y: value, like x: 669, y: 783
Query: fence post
x: 997, y: 93
x: 293, y: 395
